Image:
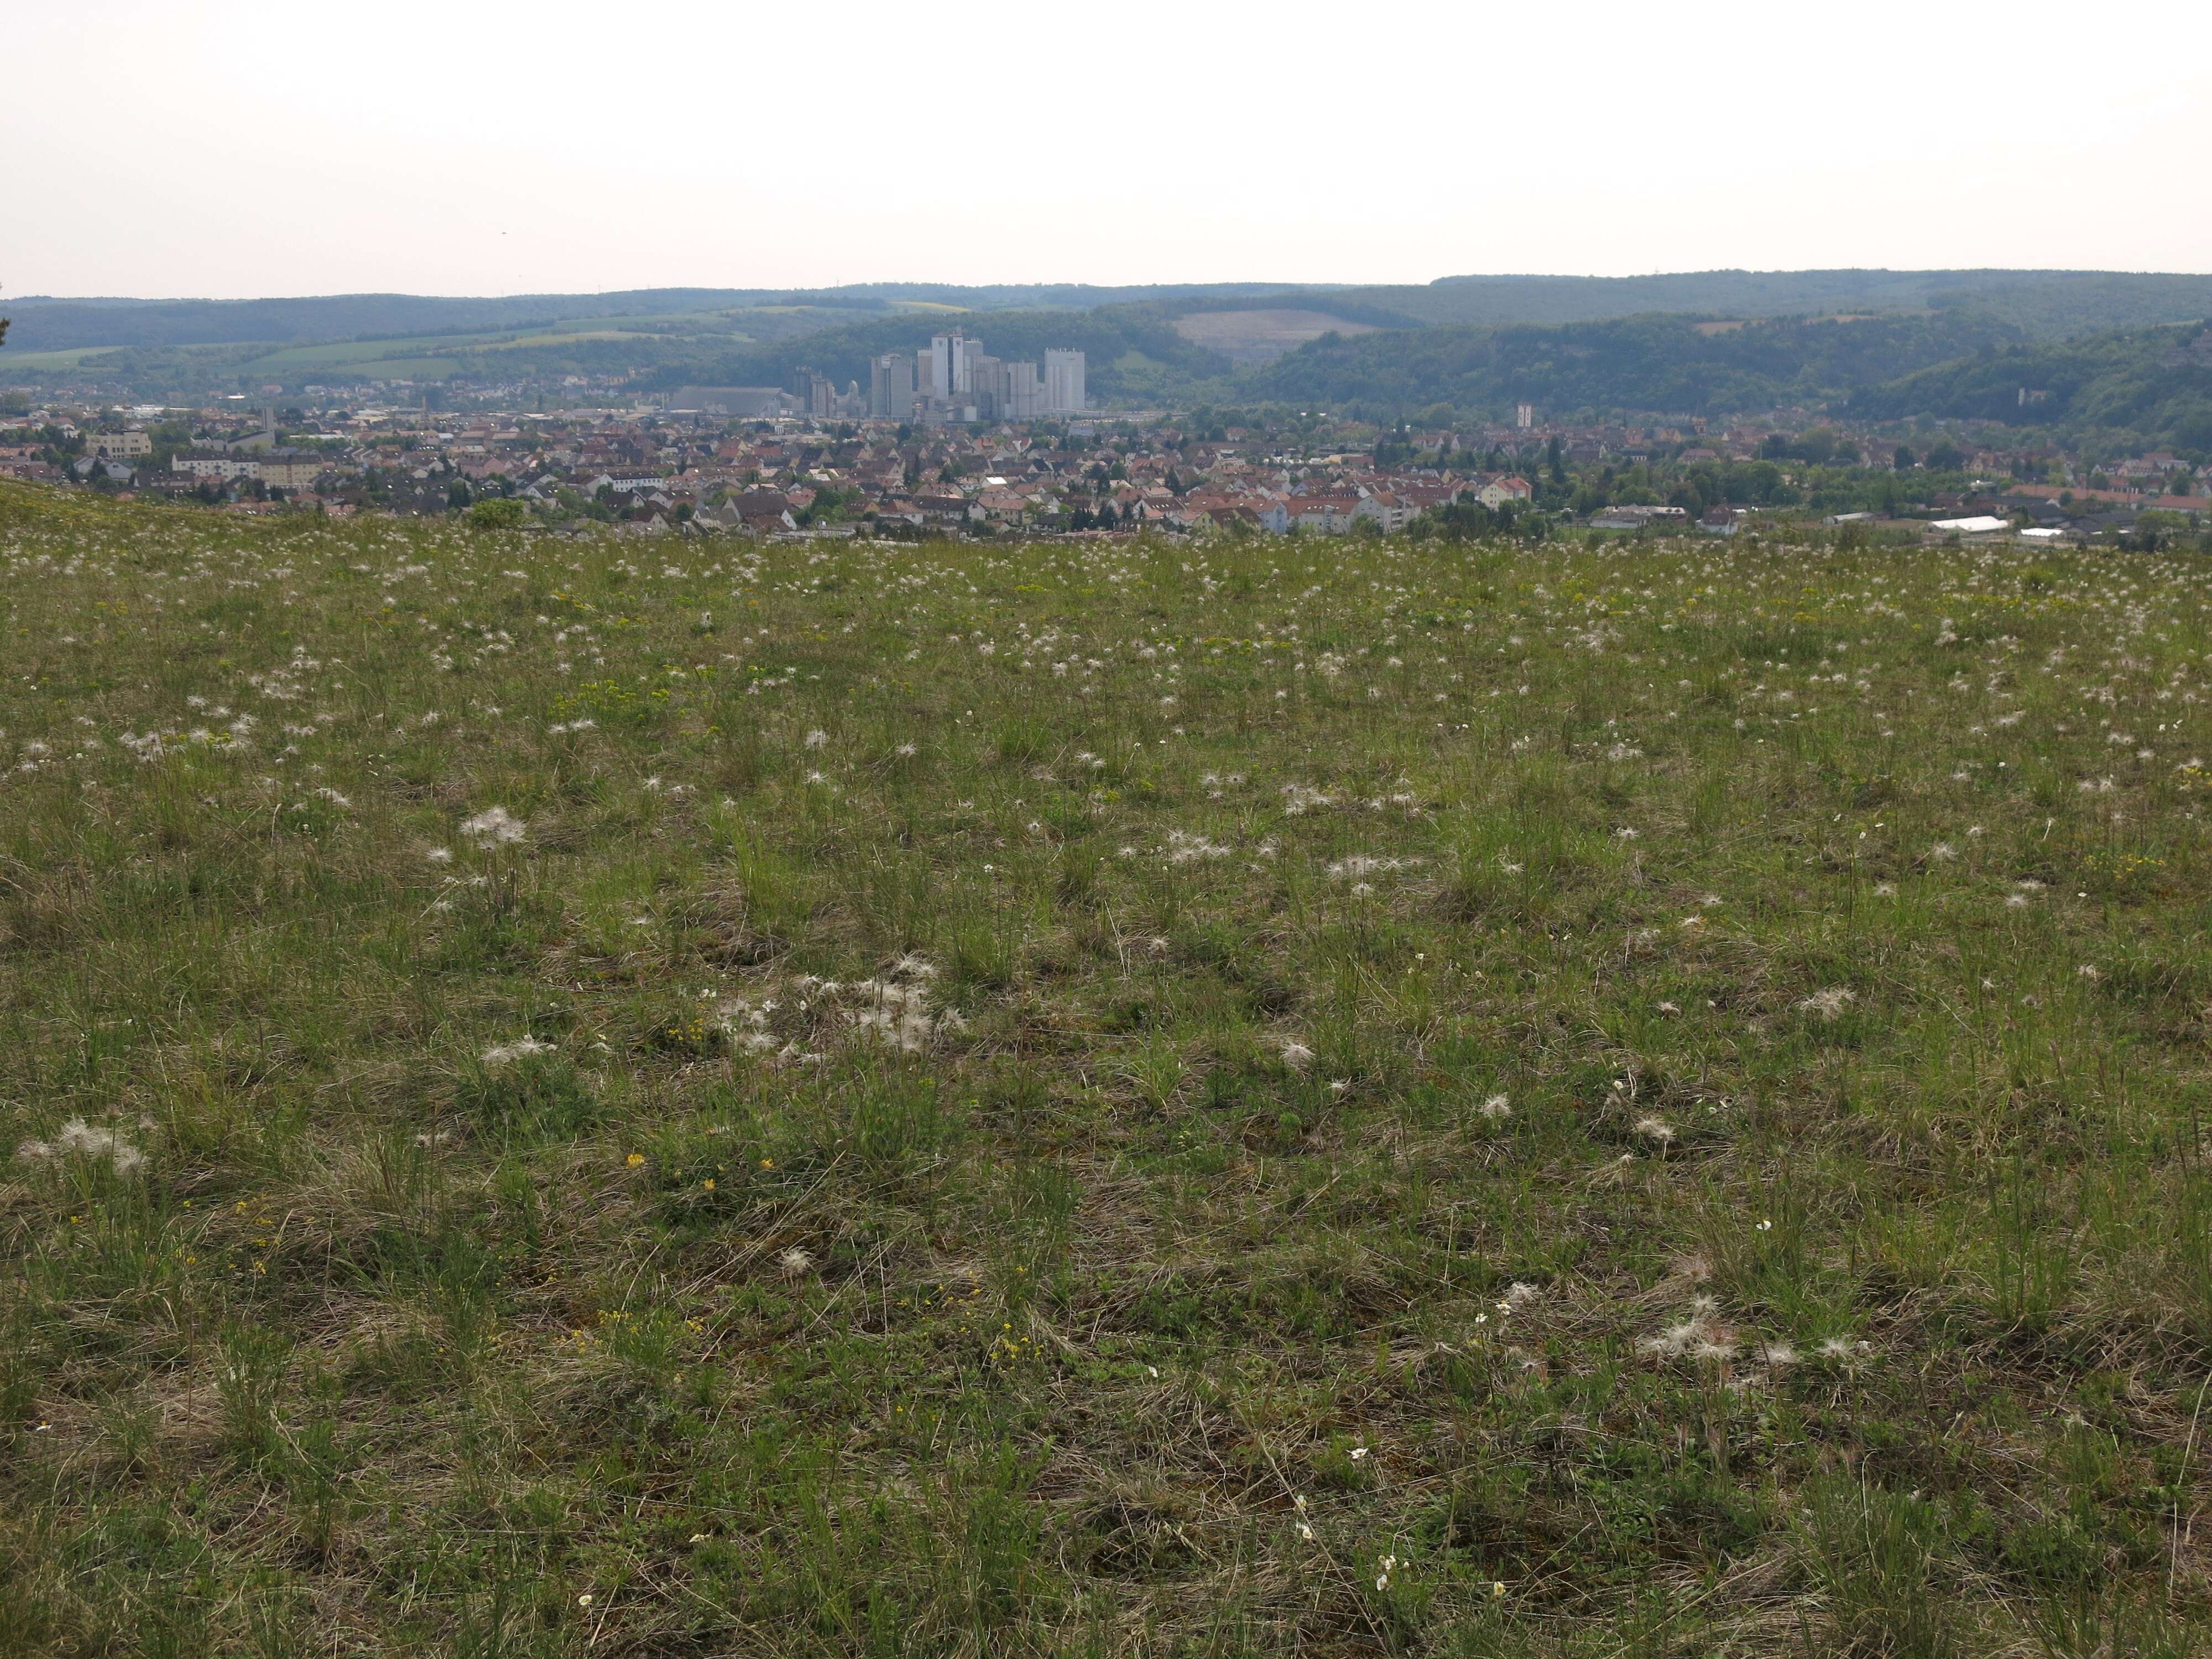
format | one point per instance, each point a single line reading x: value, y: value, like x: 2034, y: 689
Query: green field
x: 693, y: 1097
x: 74, y: 358
x: 359, y: 354
x: 389, y: 368
x: 575, y: 336
x: 351, y: 354
x: 437, y: 357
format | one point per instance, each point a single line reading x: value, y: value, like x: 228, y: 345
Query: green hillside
x: 1652, y: 363
x: 1949, y: 361
x: 2156, y: 382
x: 2049, y: 304
x: 669, y: 336
x: 54, y: 325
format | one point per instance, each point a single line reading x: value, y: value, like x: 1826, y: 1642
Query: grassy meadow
x: 665, y: 1097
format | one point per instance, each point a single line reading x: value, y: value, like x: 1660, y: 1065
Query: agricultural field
x: 73, y: 357
x: 348, y: 354
x: 567, y: 1098
x: 1260, y: 336
x: 433, y: 350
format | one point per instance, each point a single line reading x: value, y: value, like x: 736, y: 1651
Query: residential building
x: 287, y: 469
x: 1024, y: 392
x: 201, y: 464
x: 951, y: 362
x: 891, y: 387
x: 117, y: 446
x: 291, y: 469
x: 1063, y: 383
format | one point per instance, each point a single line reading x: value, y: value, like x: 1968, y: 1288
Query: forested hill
x: 1948, y: 362
x: 43, y: 324
x: 2045, y: 304
x: 48, y: 324
x: 2157, y: 382
x: 1695, y: 343
x: 1656, y: 363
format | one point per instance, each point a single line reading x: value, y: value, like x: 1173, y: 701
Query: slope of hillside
x: 45, y: 324
x: 2061, y: 305
x: 1147, y: 344
x: 2155, y: 382
x: 2050, y: 304
x: 1653, y: 363
x: 614, y: 343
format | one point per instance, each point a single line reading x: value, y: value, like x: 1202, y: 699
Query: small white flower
x: 1828, y: 1005
x: 494, y: 827
x: 504, y: 1053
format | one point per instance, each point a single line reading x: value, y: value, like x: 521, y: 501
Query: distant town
x: 950, y: 441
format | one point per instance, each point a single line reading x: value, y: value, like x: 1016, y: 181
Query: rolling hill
x: 1707, y: 342
x: 2155, y: 382
x: 43, y: 324
x: 1650, y: 363
x: 2045, y: 304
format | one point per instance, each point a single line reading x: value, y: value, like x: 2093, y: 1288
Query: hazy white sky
x: 249, y: 147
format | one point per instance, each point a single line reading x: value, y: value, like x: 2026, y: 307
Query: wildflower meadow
x: 1250, y: 1096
